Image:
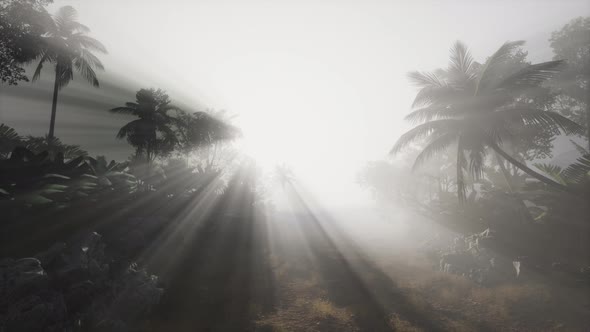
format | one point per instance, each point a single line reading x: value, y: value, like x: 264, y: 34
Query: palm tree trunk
x: 54, y: 104
x: 588, y: 110
x: 505, y: 173
x: 148, y: 154
x: 460, y: 181
x: 529, y: 171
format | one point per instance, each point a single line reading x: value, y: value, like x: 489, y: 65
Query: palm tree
x: 68, y: 46
x: 152, y: 133
x: 476, y: 107
x: 9, y: 139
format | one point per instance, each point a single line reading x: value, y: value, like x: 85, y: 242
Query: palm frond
x: 424, y: 79
x: 88, y: 42
x: 501, y: 55
x: 582, y: 150
x: 542, y: 120
x: 530, y: 77
x: 64, y: 16
x: 85, y: 67
x: 9, y: 139
x: 86, y: 56
x: 579, y: 170
x: 432, y: 112
x: 437, y: 145
x: 44, y: 57
x: 554, y: 171
x: 435, y: 95
x: 168, y: 134
x: 461, y: 60
x: 65, y: 20
x: 8, y: 133
x: 423, y: 98
x: 78, y: 27
x: 129, y: 129
x: 422, y: 131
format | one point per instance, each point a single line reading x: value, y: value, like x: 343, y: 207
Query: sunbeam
x: 294, y: 165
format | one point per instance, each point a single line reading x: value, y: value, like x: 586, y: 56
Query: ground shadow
x: 222, y: 281
x: 353, y: 281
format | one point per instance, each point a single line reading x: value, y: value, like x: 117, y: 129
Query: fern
x: 578, y: 171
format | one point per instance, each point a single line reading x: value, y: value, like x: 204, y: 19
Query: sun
x: 266, y: 152
x: 276, y: 143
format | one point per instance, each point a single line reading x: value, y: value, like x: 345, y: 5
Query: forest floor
x: 307, y: 271
x: 303, y: 272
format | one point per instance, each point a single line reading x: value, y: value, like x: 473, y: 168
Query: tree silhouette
x: 9, y: 139
x: 476, y: 108
x: 67, y: 45
x: 572, y: 42
x: 202, y: 130
x: 22, y: 25
x: 152, y: 134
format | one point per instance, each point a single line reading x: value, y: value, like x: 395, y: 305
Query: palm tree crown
x: 476, y: 107
x: 151, y: 133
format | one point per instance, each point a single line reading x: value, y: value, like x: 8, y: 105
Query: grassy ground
x: 420, y: 299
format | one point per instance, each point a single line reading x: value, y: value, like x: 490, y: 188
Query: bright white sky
x: 319, y: 85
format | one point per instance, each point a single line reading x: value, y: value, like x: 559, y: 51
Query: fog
x: 318, y: 86
x: 294, y: 165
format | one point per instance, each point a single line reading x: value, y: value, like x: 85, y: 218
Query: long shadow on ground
x: 354, y: 282
x: 222, y: 280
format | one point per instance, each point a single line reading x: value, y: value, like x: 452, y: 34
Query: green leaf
x: 51, y: 191
x: 57, y: 176
x: 55, y: 187
x: 35, y: 199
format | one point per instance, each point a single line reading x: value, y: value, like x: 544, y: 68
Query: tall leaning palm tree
x: 475, y: 108
x: 152, y: 133
x: 68, y: 46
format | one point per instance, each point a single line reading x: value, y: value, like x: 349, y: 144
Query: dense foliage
x: 482, y: 168
x: 22, y: 24
x: 511, y: 217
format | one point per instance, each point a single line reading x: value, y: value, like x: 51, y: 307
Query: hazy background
x: 318, y: 85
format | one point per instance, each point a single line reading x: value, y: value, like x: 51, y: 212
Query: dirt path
x: 239, y: 271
